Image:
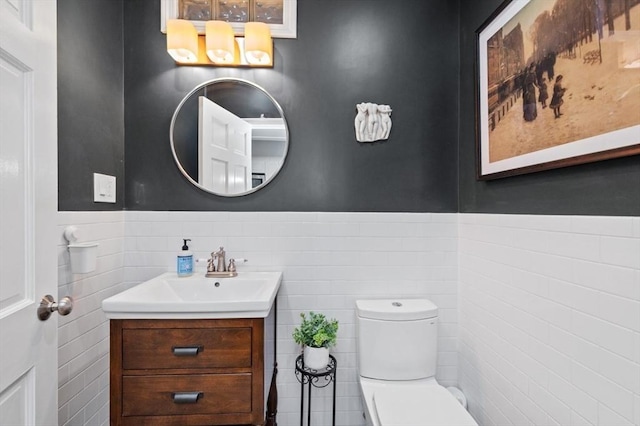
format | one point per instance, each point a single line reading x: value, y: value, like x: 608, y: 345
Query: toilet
x: 396, y: 360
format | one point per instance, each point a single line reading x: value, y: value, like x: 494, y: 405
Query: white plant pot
x: 316, y: 358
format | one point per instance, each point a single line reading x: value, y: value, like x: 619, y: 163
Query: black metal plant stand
x: 318, y: 379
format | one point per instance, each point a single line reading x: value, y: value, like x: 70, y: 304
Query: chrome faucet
x: 220, y: 255
x: 216, y: 265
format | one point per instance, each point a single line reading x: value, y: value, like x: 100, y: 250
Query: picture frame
x: 169, y: 9
x: 595, y: 114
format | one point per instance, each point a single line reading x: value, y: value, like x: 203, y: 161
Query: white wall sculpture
x: 373, y: 122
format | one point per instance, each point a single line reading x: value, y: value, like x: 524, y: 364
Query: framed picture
x: 281, y: 15
x: 557, y: 84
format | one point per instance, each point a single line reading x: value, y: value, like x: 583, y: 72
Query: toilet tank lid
x: 396, y: 309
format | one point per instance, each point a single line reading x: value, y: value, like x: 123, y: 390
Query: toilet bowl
x: 396, y: 353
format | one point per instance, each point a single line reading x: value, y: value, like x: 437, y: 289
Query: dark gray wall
x: 90, y: 101
x: 404, y: 53
x: 608, y: 188
x: 401, y: 53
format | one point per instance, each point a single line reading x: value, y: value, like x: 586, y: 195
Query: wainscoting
x: 548, y: 306
x: 550, y: 319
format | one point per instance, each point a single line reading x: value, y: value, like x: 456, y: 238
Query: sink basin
x: 249, y: 295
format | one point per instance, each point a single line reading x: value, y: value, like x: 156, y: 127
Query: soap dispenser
x: 185, y: 260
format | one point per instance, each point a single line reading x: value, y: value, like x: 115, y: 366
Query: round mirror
x: 229, y: 137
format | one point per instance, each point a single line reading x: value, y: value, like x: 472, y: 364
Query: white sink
x: 249, y: 295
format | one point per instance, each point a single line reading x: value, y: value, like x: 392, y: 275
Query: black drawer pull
x: 187, y: 350
x: 186, y: 397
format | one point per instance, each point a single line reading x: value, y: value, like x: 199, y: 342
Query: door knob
x: 48, y: 305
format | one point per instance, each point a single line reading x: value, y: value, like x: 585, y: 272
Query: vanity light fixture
x: 220, y: 43
x: 182, y: 41
x: 218, y: 46
x: 257, y: 44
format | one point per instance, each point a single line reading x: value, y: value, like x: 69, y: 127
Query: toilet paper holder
x: 82, y: 256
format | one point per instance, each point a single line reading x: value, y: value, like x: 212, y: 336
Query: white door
x: 28, y: 204
x: 224, y: 153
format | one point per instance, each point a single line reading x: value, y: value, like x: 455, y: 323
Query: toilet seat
x: 419, y: 406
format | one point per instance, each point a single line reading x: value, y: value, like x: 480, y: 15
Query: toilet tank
x: 396, y: 339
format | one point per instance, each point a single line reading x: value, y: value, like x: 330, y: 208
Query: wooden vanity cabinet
x: 187, y: 372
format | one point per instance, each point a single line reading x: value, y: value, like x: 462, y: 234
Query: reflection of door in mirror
x: 225, y: 149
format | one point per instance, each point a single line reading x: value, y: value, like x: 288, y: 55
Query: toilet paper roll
x: 457, y: 393
x: 72, y: 234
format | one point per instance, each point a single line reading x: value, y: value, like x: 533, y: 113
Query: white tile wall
x: 549, y: 306
x: 83, y: 335
x: 550, y: 319
x: 328, y: 261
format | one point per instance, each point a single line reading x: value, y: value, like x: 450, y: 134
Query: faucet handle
x: 232, y: 264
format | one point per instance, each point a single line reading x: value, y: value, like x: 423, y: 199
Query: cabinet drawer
x: 186, y: 348
x: 188, y: 394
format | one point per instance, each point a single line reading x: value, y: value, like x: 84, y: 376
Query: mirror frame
x: 227, y: 80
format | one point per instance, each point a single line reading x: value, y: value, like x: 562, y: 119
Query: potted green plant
x: 317, y: 334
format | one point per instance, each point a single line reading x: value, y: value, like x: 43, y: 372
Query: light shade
x: 258, y: 45
x: 182, y: 40
x: 220, y: 42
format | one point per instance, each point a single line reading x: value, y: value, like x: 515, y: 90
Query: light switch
x: 104, y: 188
